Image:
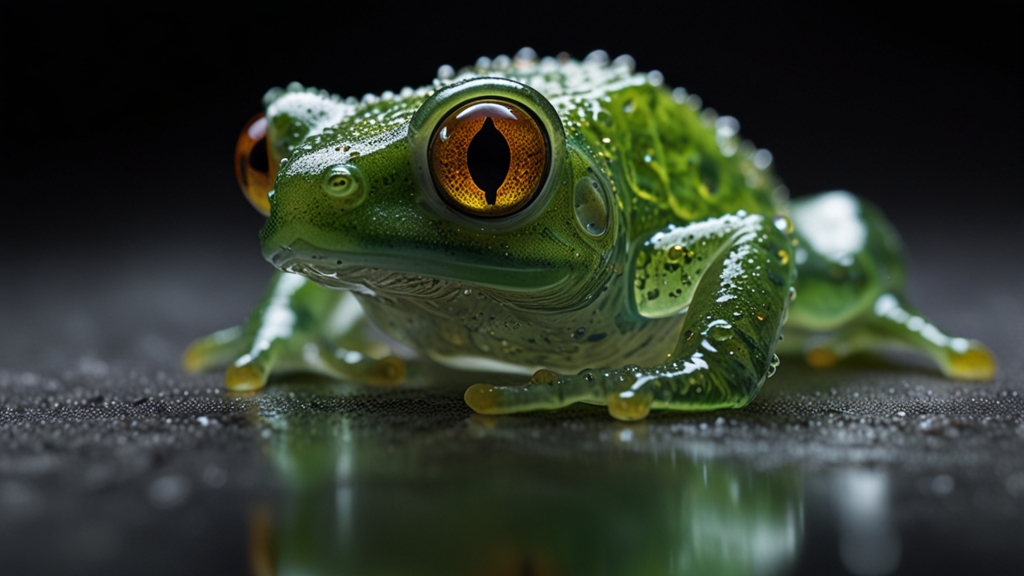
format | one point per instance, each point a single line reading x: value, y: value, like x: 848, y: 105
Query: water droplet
x: 727, y: 127
x: 625, y: 60
x: 676, y: 252
x: 543, y: 377
x: 737, y: 314
x: 578, y: 333
x: 783, y: 224
x: 721, y: 331
x: 526, y: 54
x: 599, y: 57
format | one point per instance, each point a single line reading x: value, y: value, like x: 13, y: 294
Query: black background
x: 120, y: 124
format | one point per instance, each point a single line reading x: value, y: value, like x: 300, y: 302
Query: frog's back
x: 668, y: 161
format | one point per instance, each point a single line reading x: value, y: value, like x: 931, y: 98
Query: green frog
x: 576, y: 222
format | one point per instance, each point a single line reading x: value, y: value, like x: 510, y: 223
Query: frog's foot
x: 251, y: 371
x: 227, y: 348
x: 893, y: 323
x: 247, y: 374
x: 967, y: 360
x: 546, y: 391
x: 214, y: 351
x: 690, y: 385
x: 356, y: 367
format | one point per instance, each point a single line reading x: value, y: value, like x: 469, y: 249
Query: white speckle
x: 943, y: 484
x: 626, y: 61
x: 762, y: 159
x: 203, y: 421
x: 526, y: 54
x: 727, y: 126
x: 214, y: 476
x: 831, y: 224
x: 1015, y: 484
x: 445, y: 72
x: 169, y: 491
x: 599, y: 57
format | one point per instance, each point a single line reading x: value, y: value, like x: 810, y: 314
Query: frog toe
x: 629, y: 405
x: 971, y: 362
x: 214, y: 351
x: 490, y: 399
x: 245, y: 376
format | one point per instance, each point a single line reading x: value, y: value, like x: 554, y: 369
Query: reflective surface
x: 364, y: 500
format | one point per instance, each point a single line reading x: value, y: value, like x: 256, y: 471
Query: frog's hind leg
x: 299, y: 326
x: 893, y: 323
x: 850, y: 291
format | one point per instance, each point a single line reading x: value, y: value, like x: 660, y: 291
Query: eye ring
x: 438, y: 108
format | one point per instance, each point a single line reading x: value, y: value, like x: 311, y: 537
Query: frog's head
x: 473, y: 182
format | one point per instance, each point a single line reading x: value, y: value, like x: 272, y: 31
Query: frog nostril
x: 488, y: 160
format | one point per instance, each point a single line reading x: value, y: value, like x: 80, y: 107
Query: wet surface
x: 114, y: 461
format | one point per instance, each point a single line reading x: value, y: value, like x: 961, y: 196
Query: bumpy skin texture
x: 655, y: 267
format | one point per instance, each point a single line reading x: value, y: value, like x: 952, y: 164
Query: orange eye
x: 489, y: 158
x: 252, y: 164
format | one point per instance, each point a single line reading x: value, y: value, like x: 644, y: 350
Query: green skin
x: 655, y: 268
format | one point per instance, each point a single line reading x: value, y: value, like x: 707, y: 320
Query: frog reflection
x: 365, y: 500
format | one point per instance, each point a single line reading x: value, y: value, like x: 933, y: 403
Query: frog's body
x: 649, y: 247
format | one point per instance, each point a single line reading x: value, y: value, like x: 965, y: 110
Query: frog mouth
x: 360, y: 271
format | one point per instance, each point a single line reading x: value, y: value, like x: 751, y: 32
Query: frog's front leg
x: 732, y: 276
x: 298, y: 326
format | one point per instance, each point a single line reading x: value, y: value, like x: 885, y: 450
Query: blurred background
x: 120, y: 123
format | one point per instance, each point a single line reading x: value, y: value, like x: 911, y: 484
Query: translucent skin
x: 654, y: 269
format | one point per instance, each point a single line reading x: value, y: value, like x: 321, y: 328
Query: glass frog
x: 576, y: 222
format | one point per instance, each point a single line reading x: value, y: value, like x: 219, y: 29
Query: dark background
x: 120, y: 124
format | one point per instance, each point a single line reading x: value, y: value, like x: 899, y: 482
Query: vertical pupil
x: 488, y: 159
x: 258, y: 157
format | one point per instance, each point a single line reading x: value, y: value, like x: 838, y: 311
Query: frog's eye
x: 489, y: 158
x: 252, y: 164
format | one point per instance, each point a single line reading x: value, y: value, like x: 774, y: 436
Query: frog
x: 583, y: 227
